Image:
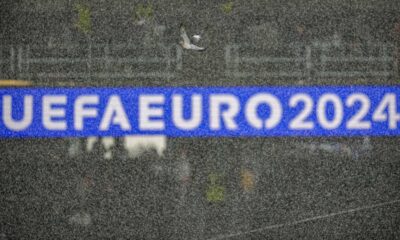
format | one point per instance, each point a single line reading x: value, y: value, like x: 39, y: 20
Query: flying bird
x: 185, y: 42
x: 196, y: 38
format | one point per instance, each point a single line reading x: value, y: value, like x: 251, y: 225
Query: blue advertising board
x: 200, y: 111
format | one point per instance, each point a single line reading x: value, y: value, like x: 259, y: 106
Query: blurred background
x: 138, y: 187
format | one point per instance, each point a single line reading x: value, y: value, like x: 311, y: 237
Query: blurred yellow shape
x: 227, y: 7
x: 14, y: 83
x: 247, y: 180
x: 143, y: 12
x: 215, y: 192
x: 84, y: 21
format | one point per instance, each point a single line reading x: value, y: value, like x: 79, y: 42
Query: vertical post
x: 236, y: 59
x: 178, y: 58
x: 308, y: 63
x: 19, y: 63
x: 385, y: 57
x: 323, y: 59
x: 89, y: 62
x: 27, y: 61
x: 107, y: 58
x: 12, y: 56
x: 168, y: 58
x: 396, y: 60
x: 1, y: 59
x: 228, y: 57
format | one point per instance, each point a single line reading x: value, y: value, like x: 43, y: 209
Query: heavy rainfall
x: 158, y: 187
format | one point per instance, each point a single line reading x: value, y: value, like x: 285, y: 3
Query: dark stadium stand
x: 264, y: 188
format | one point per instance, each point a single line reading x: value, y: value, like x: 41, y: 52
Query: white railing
x: 380, y: 61
x: 90, y: 61
x: 320, y: 60
x: 162, y: 62
x: 239, y: 64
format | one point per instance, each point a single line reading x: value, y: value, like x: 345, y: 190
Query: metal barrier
x: 319, y: 61
x: 356, y: 60
x: 87, y: 62
x: 295, y: 62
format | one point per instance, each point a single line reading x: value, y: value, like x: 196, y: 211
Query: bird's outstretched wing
x: 184, y: 36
